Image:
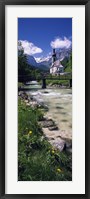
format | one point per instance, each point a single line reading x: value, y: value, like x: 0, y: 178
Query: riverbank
x: 38, y: 159
x: 52, y: 128
x: 61, y: 84
x: 58, y: 83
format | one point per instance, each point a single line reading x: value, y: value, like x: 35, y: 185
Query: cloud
x: 30, y: 48
x: 61, y: 43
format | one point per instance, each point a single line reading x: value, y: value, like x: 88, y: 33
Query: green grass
x: 52, y: 82
x: 20, y: 84
x: 58, y: 82
x: 37, y: 159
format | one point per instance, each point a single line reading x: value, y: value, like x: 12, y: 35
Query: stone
x: 47, y: 123
x: 45, y: 92
x: 59, y: 144
x: 26, y: 101
x: 68, y: 145
x: 44, y: 117
x: 52, y: 128
x: 28, y: 104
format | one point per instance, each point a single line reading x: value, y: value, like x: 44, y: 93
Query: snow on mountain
x: 42, y: 64
x: 46, y: 62
x: 63, y: 53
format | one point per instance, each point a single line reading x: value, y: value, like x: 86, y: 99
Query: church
x: 56, y: 67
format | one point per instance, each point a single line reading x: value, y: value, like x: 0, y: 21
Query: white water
x: 59, y: 102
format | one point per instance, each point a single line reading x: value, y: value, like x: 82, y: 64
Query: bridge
x: 44, y: 77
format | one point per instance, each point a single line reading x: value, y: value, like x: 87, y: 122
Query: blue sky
x: 39, y: 35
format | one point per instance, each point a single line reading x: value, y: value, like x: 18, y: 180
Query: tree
x: 67, y: 63
x: 24, y: 69
x: 26, y: 72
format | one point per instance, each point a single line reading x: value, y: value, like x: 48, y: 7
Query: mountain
x: 45, y: 63
x: 41, y: 65
x: 63, y: 53
x: 31, y: 60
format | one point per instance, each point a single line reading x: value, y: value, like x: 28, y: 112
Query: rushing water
x: 59, y: 102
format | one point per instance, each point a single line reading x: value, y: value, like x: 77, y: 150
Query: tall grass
x: 37, y: 159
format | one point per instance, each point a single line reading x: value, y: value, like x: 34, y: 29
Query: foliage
x: 58, y: 82
x: 37, y: 160
x: 25, y: 69
x: 67, y: 63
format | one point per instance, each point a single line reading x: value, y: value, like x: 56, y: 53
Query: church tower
x: 53, y: 56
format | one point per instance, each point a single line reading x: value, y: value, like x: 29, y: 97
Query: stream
x: 59, y: 103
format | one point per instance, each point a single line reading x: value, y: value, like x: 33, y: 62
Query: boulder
x: 52, y: 128
x: 47, y: 123
x: 59, y: 144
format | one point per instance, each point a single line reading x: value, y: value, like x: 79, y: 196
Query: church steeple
x: 53, y: 56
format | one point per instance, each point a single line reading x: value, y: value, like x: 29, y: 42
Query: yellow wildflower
x: 59, y: 170
x: 30, y: 132
x: 53, y: 151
